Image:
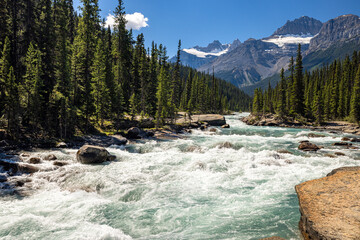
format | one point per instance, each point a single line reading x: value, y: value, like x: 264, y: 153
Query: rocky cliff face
x: 330, y: 207
x: 301, y: 26
x: 340, y: 29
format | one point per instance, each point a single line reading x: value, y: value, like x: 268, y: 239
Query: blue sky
x: 199, y: 22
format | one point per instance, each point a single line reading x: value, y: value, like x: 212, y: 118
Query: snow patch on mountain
x: 201, y: 54
x: 283, y: 40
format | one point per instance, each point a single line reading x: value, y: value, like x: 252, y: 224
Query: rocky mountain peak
x: 215, y: 46
x: 300, y: 26
x: 342, y: 28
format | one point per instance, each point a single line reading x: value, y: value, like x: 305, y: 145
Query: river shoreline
x: 272, y: 120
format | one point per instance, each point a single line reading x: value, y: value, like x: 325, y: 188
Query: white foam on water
x: 193, y: 188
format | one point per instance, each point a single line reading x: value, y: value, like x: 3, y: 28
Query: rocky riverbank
x: 275, y: 120
x: 17, y: 163
x: 330, y: 207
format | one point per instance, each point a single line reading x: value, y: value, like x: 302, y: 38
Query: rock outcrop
x: 330, y: 206
x: 308, y: 146
x: 88, y: 154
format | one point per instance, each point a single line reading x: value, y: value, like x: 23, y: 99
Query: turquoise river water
x: 191, y: 188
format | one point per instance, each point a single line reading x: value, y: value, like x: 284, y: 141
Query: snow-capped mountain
x: 248, y: 63
x: 198, y: 56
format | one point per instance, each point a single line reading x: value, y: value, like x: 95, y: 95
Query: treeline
x: 331, y: 92
x: 61, y: 72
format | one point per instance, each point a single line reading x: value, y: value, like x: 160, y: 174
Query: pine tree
x: 100, y: 91
x: 297, y: 93
x: 5, y: 62
x: 281, y: 104
x: 83, y: 55
x: 12, y: 104
x: 355, y: 99
x: 175, y: 86
x: 34, y: 87
x: 162, y: 97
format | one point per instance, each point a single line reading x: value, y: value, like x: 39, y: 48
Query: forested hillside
x: 62, y: 72
x: 331, y: 92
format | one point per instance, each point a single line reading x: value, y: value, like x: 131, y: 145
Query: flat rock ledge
x: 330, y: 206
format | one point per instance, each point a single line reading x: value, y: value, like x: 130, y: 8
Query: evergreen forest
x: 63, y: 73
x: 331, y: 92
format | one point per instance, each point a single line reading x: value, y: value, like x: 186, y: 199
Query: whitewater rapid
x: 191, y: 188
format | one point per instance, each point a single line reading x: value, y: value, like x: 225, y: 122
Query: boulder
x: 89, y: 154
x: 314, y: 135
x: 211, y: 119
x: 345, y: 144
x: 212, y: 130
x: 330, y: 155
x: 133, y: 133
x: 203, y: 127
x: 345, y: 139
x: 60, y: 163
x: 355, y: 140
x: 339, y: 154
x: 330, y: 206
x: 272, y: 238
x: 50, y: 157
x: 308, y: 146
x: 61, y: 145
x: 284, y: 151
x: 225, y: 126
x: 35, y: 160
x: 226, y: 145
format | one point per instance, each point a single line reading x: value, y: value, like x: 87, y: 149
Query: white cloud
x: 135, y: 21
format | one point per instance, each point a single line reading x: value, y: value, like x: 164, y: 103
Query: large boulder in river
x: 133, y: 133
x: 330, y: 206
x: 308, y: 146
x: 211, y: 119
x: 89, y: 154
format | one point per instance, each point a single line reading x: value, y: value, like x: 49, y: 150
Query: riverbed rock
x: 284, y: 151
x: 355, y: 140
x: 345, y: 139
x: 89, y: 154
x: 330, y: 155
x: 211, y: 119
x: 50, y: 157
x: 314, y: 135
x: 225, y: 126
x: 213, y: 130
x: 61, y: 145
x: 60, y: 163
x: 35, y: 160
x: 339, y: 154
x: 330, y: 206
x: 273, y: 238
x: 226, y: 145
x: 133, y: 133
x: 308, y: 146
x: 345, y: 144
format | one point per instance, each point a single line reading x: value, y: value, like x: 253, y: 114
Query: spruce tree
x: 355, y: 99
x: 297, y: 93
x: 281, y: 104
x: 5, y: 62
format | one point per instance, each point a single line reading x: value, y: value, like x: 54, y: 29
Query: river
x: 191, y: 188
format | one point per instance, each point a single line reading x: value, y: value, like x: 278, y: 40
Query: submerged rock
x: 284, y: 151
x: 50, y: 157
x: 342, y: 144
x: 226, y: 145
x: 314, y: 135
x: 35, y: 160
x: 339, y: 154
x: 89, y: 154
x: 355, y: 140
x: 330, y: 206
x: 60, y: 163
x: 212, y: 130
x: 308, y: 146
x: 345, y: 139
x: 225, y: 126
